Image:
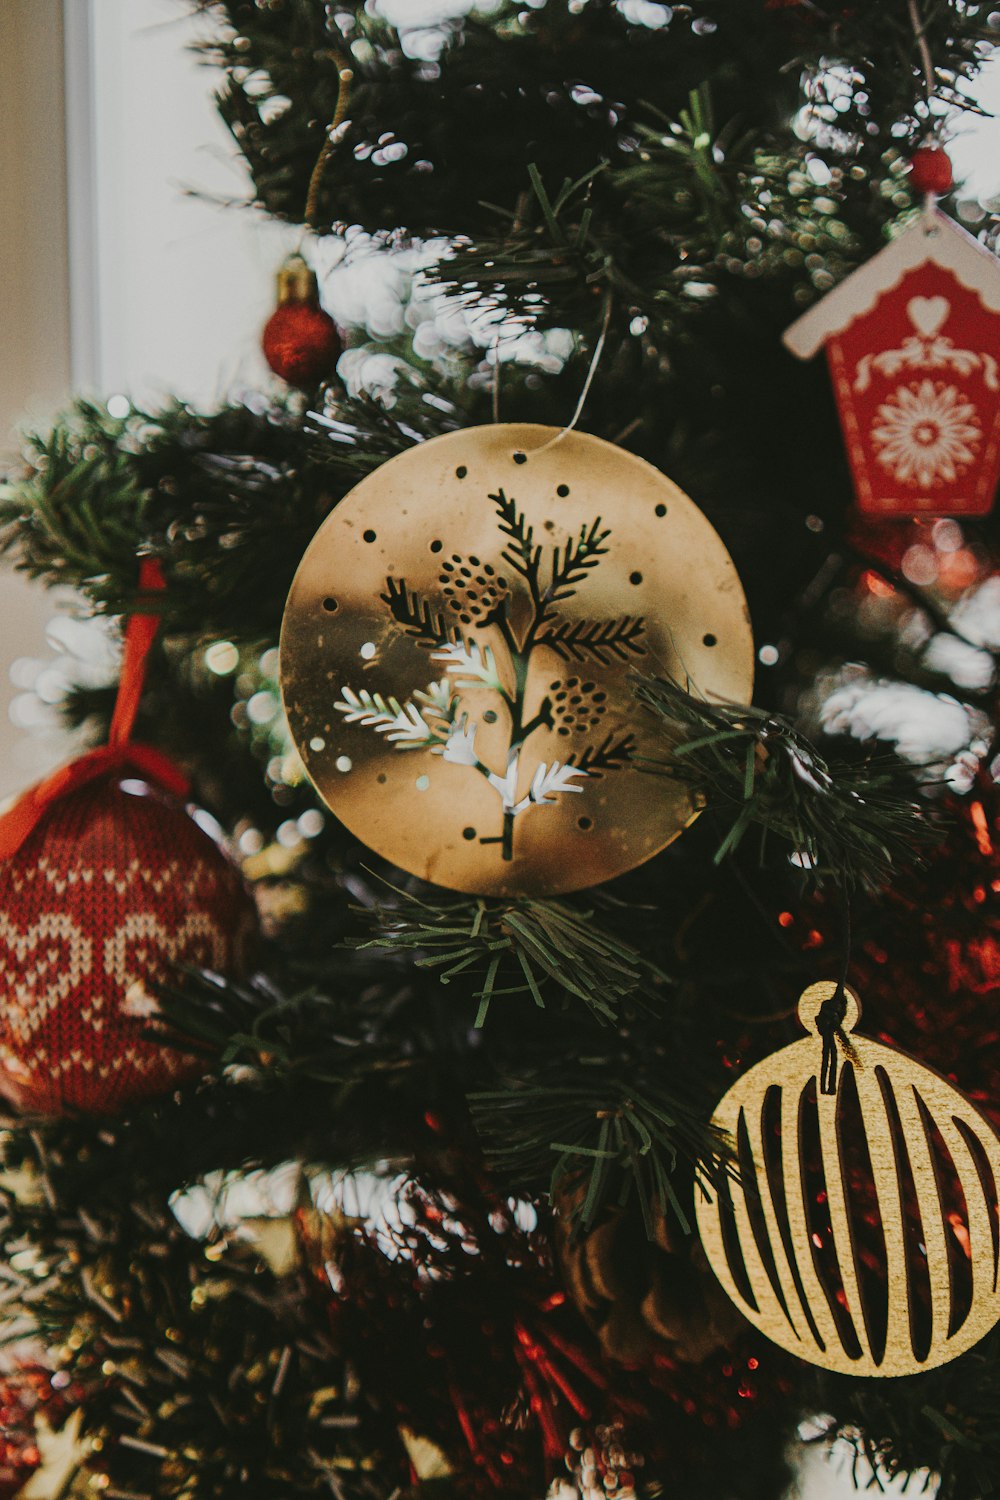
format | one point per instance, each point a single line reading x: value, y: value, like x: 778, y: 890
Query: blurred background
x: 122, y: 274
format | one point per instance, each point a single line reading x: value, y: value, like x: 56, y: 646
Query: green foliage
x: 691, y: 208
x: 544, y: 84
x: 79, y: 513
x: 944, y: 1421
x: 545, y: 949
x: 847, y: 824
x: 625, y: 1123
x: 245, y: 483
x: 152, y: 1326
x: 601, y: 1140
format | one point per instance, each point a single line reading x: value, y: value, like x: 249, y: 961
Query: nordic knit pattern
x: 110, y: 890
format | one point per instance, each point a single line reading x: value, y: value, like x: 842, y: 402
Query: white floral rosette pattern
x: 926, y: 434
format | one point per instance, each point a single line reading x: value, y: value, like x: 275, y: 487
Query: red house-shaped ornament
x: 913, y: 341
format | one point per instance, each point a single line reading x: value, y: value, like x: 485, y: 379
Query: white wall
x: 182, y: 287
x: 34, y: 286
x: 34, y: 301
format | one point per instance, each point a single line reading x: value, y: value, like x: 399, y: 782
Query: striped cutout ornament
x: 858, y: 1229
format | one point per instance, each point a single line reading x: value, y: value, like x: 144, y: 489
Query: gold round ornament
x: 859, y: 1231
x: 456, y: 649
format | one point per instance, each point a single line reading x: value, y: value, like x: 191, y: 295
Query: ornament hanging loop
x: 831, y: 1010
x: 926, y: 61
x: 592, y: 371
x: 345, y: 76
x: 139, y: 635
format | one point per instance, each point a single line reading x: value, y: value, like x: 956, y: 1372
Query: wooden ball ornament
x: 859, y: 1228
x: 457, y: 646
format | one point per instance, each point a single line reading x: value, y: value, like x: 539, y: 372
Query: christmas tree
x: 408, y: 1178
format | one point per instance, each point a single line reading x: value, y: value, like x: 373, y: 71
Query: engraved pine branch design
x: 433, y: 719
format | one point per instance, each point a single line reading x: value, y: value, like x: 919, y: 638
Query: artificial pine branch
x: 545, y: 949
x: 247, y: 482
x: 847, y: 825
x: 606, y: 1138
x: 286, y: 55
x: 153, y: 1325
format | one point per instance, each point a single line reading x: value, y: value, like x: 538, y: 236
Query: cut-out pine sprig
x: 596, y: 640
x: 416, y: 615
x: 570, y: 568
x: 403, y: 724
x: 433, y: 720
x: 468, y: 656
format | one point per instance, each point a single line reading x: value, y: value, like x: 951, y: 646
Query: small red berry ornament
x: 106, y: 883
x: 930, y: 171
x: 301, y: 342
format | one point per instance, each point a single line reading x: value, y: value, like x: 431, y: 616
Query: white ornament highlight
x: 460, y: 746
x: 549, y: 781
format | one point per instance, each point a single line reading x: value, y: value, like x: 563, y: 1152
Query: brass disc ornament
x: 860, y: 1228
x: 456, y: 649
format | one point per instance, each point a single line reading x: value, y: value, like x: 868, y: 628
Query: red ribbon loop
x: 119, y: 754
x: 139, y: 635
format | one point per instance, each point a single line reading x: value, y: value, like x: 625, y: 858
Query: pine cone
x: 642, y: 1297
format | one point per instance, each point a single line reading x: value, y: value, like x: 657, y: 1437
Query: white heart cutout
x: 927, y: 314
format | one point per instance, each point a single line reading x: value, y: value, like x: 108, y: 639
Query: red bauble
x: 930, y: 170
x: 115, y: 884
x: 301, y: 343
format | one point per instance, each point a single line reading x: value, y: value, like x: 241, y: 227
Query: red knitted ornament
x: 115, y: 885
x: 106, y: 883
x: 300, y: 341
